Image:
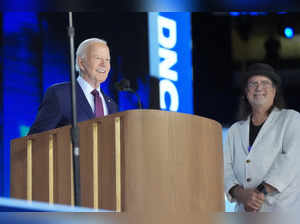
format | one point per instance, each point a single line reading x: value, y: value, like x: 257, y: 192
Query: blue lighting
x: 24, y: 129
x: 21, y: 82
x: 247, y: 13
x: 289, y: 32
x: 257, y: 13
x: 234, y: 13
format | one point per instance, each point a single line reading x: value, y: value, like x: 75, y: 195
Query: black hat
x: 264, y: 70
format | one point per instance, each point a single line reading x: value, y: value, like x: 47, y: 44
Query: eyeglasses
x: 264, y: 84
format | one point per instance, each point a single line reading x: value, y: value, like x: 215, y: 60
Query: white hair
x: 81, y: 50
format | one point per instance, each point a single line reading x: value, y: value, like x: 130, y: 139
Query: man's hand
x: 250, y: 198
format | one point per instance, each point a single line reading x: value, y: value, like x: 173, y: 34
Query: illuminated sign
x: 171, y: 60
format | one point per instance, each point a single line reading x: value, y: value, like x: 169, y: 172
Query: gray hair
x: 81, y: 50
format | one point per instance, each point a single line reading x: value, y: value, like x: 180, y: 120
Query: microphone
x: 124, y: 85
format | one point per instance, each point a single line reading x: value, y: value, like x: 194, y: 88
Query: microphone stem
x: 137, y: 95
x: 139, y: 100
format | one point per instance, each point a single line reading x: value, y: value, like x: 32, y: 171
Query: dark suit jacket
x: 56, y: 108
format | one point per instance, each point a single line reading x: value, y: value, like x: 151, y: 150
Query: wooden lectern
x: 137, y: 160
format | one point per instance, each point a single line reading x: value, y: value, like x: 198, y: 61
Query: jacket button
x: 248, y: 179
x: 248, y: 161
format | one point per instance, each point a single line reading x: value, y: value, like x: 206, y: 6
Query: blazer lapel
x: 108, y: 104
x: 244, y: 132
x: 82, y: 102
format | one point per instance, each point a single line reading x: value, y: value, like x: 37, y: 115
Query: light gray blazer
x: 274, y: 158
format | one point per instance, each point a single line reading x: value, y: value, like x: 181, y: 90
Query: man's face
x: 95, y: 66
x: 260, y: 91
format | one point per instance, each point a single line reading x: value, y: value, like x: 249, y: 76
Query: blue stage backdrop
x: 170, y: 55
x: 21, y: 80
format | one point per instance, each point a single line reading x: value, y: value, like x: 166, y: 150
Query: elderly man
x: 93, y: 65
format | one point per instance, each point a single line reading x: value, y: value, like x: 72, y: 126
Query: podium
x: 137, y: 161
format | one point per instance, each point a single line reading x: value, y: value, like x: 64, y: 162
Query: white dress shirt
x: 87, y: 89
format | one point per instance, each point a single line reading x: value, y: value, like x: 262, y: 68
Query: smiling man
x: 93, y: 65
x: 261, y: 153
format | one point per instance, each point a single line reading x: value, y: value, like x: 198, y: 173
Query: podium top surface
x: 146, y: 113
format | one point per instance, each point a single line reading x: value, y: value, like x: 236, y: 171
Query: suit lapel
x: 82, y: 102
x: 108, y: 103
x: 244, y: 132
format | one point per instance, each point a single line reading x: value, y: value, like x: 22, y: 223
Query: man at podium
x: 261, y: 154
x: 93, y: 65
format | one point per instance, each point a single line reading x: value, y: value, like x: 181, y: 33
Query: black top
x: 253, y: 132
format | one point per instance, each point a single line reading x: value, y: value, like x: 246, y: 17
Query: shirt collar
x: 86, y: 86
